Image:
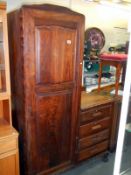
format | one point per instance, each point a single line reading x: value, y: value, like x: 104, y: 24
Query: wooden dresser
x: 9, y: 156
x: 96, y: 125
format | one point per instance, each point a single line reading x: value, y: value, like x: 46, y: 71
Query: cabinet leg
x: 105, y: 157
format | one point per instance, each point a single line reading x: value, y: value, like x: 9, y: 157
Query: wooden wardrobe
x: 46, y: 52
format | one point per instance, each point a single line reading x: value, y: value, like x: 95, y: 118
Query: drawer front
x: 93, y: 139
x: 91, y: 151
x: 94, y: 127
x: 96, y: 113
x: 7, y: 145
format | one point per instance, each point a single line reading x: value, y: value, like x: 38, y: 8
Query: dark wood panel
x: 94, y: 127
x: 59, y: 87
x: 53, y: 130
x: 91, y: 151
x: 115, y: 124
x: 96, y: 113
x: 94, y: 139
x: 55, y: 54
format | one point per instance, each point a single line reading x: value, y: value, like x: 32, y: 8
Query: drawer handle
x: 96, y: 127
x: 97, y: 114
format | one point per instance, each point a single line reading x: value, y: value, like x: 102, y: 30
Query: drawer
x: 93, y: 139
x: 8, y: 145
x: 94, y: 113
x: 93, y: 127
x: 91, y: 151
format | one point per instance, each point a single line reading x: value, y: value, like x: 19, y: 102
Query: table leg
x: 123, y: 74
x: 118, y: 72
x: 100, y: 75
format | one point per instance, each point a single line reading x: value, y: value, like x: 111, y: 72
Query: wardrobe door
x: 53, y: 120
x: 55, y: 74
x: 52, y: 76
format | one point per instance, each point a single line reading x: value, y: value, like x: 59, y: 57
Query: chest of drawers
x: 95, y: 130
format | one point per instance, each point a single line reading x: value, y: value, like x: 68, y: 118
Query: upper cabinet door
x: 51, y: 50
x: 55, y: 51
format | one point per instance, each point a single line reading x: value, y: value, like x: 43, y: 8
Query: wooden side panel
x: 15, y: 33
x: 53, y: 129
x: 9, y: 165
x: 1, y: 109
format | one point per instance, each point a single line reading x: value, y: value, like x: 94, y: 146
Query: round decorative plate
x: 96, y: 37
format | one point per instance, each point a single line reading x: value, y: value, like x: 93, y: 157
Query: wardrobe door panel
x: 53, y: 129
x: 55, y: 53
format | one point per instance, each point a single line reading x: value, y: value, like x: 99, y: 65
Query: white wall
x: 107, y: 18
x: 14, y: 4
x: 104, y: 17
x: 58, y: 2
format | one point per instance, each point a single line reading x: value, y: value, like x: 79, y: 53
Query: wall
x: 14, y: 4
x: 112, y: 21
x: 58, y: 2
